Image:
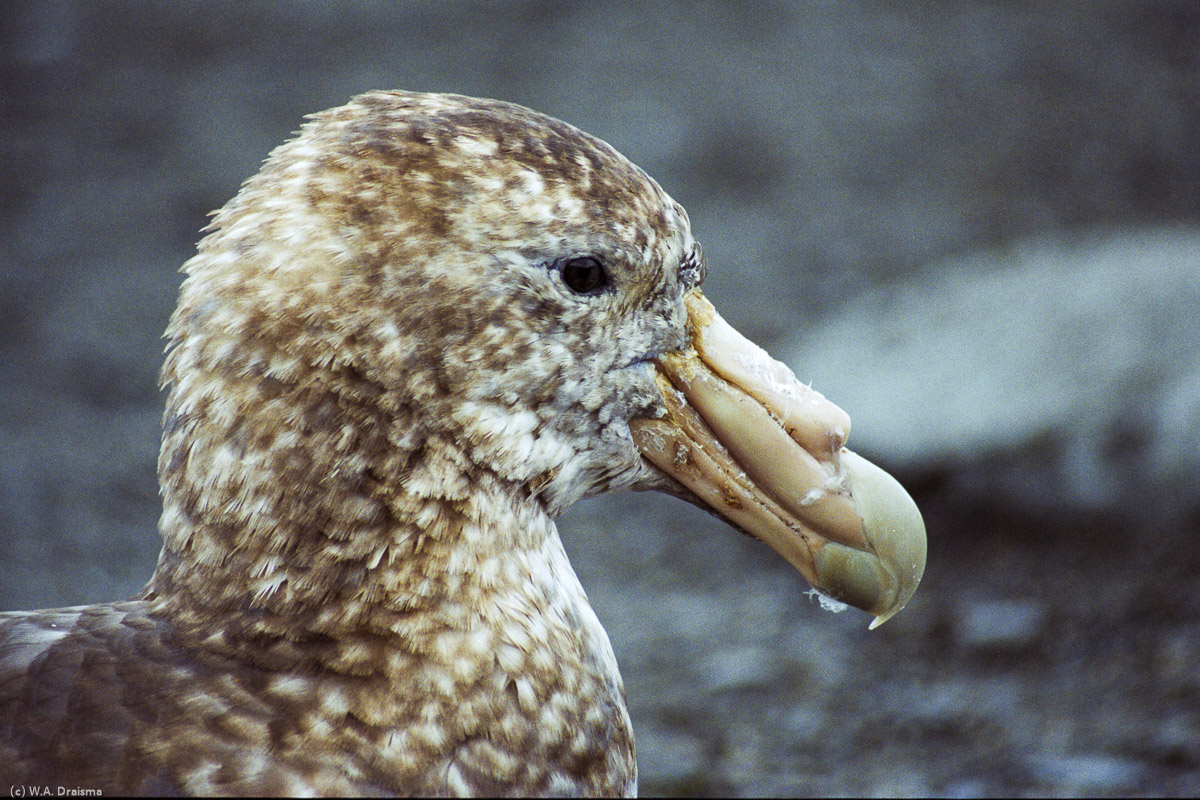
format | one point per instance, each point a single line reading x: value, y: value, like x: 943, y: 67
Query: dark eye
x: 584, y: 275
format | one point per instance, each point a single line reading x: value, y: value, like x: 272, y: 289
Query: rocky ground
x: 975, y: 226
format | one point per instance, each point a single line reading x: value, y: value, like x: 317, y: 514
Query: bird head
x: 418, y: 269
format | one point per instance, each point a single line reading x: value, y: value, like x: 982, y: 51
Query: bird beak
x: 767, y: 453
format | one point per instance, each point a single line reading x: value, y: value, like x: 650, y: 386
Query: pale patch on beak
x: 767, y: 453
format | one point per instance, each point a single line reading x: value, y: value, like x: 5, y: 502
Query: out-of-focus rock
x: 1065, y: 373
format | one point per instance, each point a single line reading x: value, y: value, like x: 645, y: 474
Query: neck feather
x: 309, y: 512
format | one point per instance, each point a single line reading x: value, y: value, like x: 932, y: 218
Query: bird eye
x: 584, y: 275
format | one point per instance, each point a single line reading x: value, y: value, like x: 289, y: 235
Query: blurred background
x: 973, y: 225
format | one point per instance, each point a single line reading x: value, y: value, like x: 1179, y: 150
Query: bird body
x: 123, y: 696
x: 427, y: 327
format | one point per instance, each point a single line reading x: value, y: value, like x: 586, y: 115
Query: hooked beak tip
x: 884, y: 578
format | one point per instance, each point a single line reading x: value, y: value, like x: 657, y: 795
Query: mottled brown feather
x: 381, y: 393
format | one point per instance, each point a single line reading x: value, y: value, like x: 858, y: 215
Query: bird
x: 422, y: 331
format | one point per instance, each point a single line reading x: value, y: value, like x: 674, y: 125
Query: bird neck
x: 435, y: 622
x: 301, y: 514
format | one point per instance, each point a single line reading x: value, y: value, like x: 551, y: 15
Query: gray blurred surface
x: 897, y: 198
